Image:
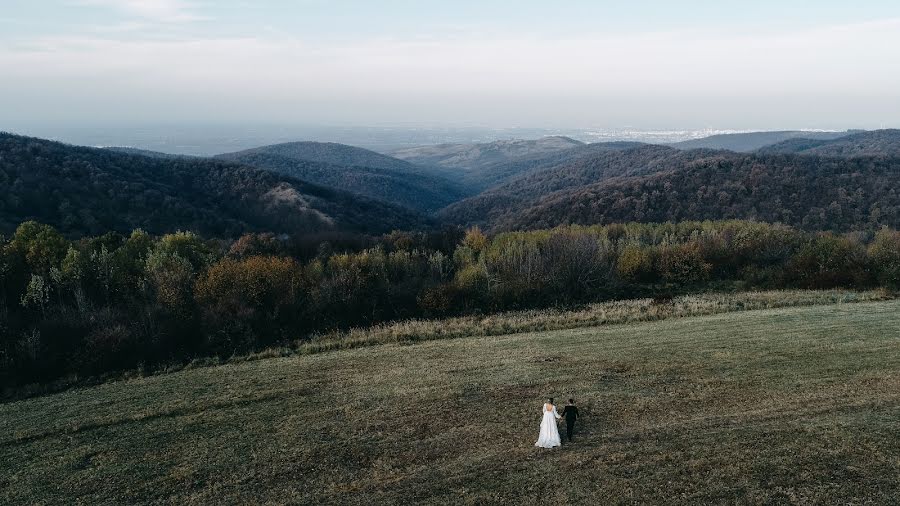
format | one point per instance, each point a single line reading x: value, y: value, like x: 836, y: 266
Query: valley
x: 826, y: 182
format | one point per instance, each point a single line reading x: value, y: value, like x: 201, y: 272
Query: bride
x: 549, y: 436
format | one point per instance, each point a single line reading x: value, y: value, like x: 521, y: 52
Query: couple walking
x: 549, y: 436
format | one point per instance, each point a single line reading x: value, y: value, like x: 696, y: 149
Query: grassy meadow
x: 790, y: 405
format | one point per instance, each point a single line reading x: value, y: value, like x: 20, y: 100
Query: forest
x: 884, y: 142
x: 113, y: 302
x: 403, y: 187
x: 312, y: 188
x: 118, y: 260
x: 90, y: 191
x: 657, y: 184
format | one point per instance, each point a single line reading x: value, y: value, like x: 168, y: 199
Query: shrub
x: 827, y: 261
x: 171, y: 277
x: 110, y: 347
x: 475, y: 239
x: 40, y: 245
x: 635, y: 264
x: 249, y: 302
x: 884, y: 253
x: 255, y: 245
x: 683, y: 264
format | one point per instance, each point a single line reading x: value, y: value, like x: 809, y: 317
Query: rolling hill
x: 751, y: 141
x: 598, y: 162
x: 355, y: 170
x: 145, y: 152
x: 874, y: 143
x: 331, y: 153
x: 497, y: 173
x: 82, y: 190
x: 752, y: 407
x: 474, y: 157
x: 657, y: 184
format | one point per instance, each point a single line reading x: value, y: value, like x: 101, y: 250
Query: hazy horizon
x: 694, y: 65
x: 212, y: 139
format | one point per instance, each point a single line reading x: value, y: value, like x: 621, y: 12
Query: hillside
x: 500, y: 172
x: 875, y: 143
x: 474, y: 157
x: 594, y: 165
x: 83, y: 190
x: 792, y: 146
x: 753, y: 407
x: 331, y: 153
x: 344, y: 167
x: 809, y: 192
x: 751, y: 141
x: 143, y: 152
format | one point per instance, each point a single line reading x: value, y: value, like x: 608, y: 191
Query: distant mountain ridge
x: 144, y: 152
x: 752, y: 141
x: 875, y: 143
x: 82, y: 190
x: 355, y: 170
x: 329, y: 152
x: 843, y: 183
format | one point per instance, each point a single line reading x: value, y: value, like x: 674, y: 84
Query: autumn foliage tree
x: 884, y: 253
x: 112, y: 302
x: 251, y: 301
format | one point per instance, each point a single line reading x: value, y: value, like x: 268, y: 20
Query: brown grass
x: 593, y: 315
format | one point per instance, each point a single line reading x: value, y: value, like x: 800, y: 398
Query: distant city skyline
x: 657, y: 65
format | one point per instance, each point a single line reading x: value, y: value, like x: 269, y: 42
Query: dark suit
x: 570, y: 413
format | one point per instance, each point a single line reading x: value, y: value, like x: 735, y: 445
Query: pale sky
x: 652, y: 64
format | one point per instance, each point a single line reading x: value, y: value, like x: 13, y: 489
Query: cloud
x: 846, y: 71
x: 164, y: 11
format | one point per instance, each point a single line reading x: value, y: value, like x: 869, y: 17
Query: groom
x: 570, y: 412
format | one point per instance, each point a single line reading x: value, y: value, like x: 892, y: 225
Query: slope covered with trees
x: 120, y: 301
x: 405, y: 185
x: 875, y: 143
x: 751, y: 141
x: 657, y: 183
x: 463, y: 158
x: 83, y: 190
x: 500, y: 172
x: 809, y: 192
x: 145, y: 152
x: 330, y: 152
x: 598, y: 162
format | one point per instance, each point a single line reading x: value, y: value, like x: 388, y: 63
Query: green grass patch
x: 790, y: 405
x: 591, y: 315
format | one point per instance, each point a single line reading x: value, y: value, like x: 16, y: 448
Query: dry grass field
x: 794, y: 405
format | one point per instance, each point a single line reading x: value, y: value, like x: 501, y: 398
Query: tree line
x: 113, y: 302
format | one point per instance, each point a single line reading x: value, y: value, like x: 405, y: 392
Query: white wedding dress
x: 549, y: 436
